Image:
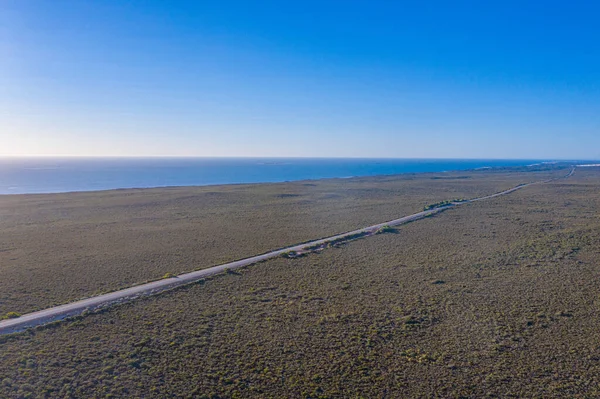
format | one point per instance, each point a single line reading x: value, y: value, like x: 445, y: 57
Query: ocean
x: 56, y: 175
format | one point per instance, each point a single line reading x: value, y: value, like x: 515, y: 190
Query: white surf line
x: 76, y: 308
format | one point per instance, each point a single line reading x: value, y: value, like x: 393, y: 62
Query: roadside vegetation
x: 497, y: 299
x: 443, y: 203
x: 386, y: 229
x: 10, y: 315
x: 62, y: 247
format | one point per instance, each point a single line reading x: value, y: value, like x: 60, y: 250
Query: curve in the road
x: 76, y: 308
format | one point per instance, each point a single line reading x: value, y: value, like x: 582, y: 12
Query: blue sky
x: 433, y: 79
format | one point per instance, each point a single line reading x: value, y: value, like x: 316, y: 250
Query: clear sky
x: 434, y: 79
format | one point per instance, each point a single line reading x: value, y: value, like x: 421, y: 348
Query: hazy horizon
x: 284, y: 157
x: 60, y: 175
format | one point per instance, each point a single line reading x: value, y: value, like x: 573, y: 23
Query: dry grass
x: 493, y: 299
x: 58, y: 248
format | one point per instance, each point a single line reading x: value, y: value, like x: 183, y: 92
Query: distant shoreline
x: 60, y: 176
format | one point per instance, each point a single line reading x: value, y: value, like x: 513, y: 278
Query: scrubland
x: 61, y: 247
x: 498, y: 298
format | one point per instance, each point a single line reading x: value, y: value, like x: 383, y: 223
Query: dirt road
x: 76, y: 308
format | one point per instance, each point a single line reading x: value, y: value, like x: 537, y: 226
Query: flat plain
x: 498, y: 298
x: 62, y: 247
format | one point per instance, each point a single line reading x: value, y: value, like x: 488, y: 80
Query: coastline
x: 121, y: 175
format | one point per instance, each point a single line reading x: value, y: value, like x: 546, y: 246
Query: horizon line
x: 273, y: 157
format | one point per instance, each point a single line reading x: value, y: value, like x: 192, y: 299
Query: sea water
x: 54, y: 175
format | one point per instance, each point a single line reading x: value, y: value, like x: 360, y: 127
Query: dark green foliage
x: 386, y: 229
x: 442, y: 204
x: 232, y: 272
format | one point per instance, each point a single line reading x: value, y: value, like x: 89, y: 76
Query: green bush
x: 386, y: 229
x: 443, y: 203
x: 12, y: 315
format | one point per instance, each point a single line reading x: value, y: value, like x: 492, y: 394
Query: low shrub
x: 11, y: 315
x: 386, y: 229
